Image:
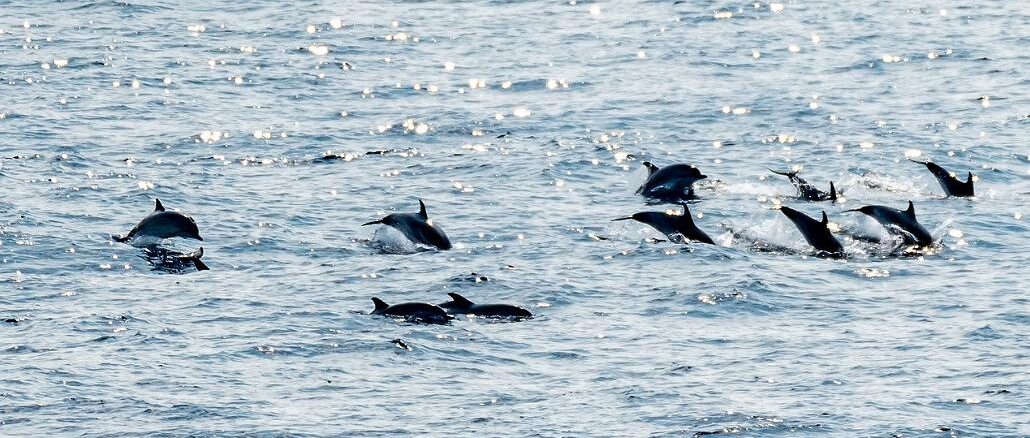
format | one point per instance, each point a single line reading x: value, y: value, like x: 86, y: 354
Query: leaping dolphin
x: 807, y: 191
x: 817, y: 233
x: 672, y: 225
x: 417, y: 227
x: 900, y: 223
x: 461, y: 305
x: 413, y: 312
x: 159, y: 225
x: 952, y: 186
x: 672, y: 183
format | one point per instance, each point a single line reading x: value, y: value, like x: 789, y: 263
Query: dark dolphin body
x: 951, y: 185
x: 163, y: 224
x: 672, y: 225
x: 461, y: 306
x: 807, y: 191
x: 816, y: 232
x: 172, y: 261
x: 417, y: 227
x: 672, y: 183
x: 901, y: 223
x: 413, y: 312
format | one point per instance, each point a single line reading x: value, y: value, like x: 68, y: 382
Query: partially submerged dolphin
x: 159, y: 225
x: 817, y: 233
x: 952, y: 186
x: 807, y: 191
x: 417, y: 227
x: 413, y: 312
x: 900, y: 223
x: 174, y: 261
x: 671, y: 183
x: 672, y: 225
x: 461, y: 306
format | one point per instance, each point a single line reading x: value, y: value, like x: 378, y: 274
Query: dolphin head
x: 868, y: 209
x: 190, y: 230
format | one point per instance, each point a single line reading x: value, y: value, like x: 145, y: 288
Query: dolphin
x: 807, y: 191
x: 817, y: 233
x: 413, y: 312
x: 898, y: 222
x: 672, y: 225
x: 174, y: 261
x: 417, y: 227
x: 462, y: 306
x: 161, y: 224
x: 671, y: 183
x: 952, y: 186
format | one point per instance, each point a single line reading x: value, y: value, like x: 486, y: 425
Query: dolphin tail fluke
x: 381, y: 305
x: 200, y: 265
x: 459, y: 300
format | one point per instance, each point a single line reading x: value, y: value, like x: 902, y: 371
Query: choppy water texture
x: 281, y: 127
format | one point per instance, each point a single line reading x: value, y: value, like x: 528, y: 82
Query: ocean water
x: 282, y: 126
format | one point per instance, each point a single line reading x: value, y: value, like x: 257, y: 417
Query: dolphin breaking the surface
x: 417, y: 227
x: 161, y: 224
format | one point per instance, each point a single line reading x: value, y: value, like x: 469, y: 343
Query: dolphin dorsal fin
x: 911, y: 212
x: 826, y: 220
x: 833, y: 192
x: 459, y: 300
x: 158, y: 206
x: 422, y: 209
x: 651, y: 168
x: 380, y: 305
x: 969, y: 179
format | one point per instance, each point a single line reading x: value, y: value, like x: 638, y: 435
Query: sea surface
x: 281, y: 127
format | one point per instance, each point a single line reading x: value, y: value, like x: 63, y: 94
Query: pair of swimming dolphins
x: 442, y: 313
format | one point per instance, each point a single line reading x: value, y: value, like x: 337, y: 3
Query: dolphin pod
x: 417, y: 227
x: 670, y: 184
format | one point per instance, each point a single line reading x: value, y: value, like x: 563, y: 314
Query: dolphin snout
x: 623, y: 218
x: 373, y: 222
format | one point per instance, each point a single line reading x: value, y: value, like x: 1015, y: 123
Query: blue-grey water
x: 523, y: 126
